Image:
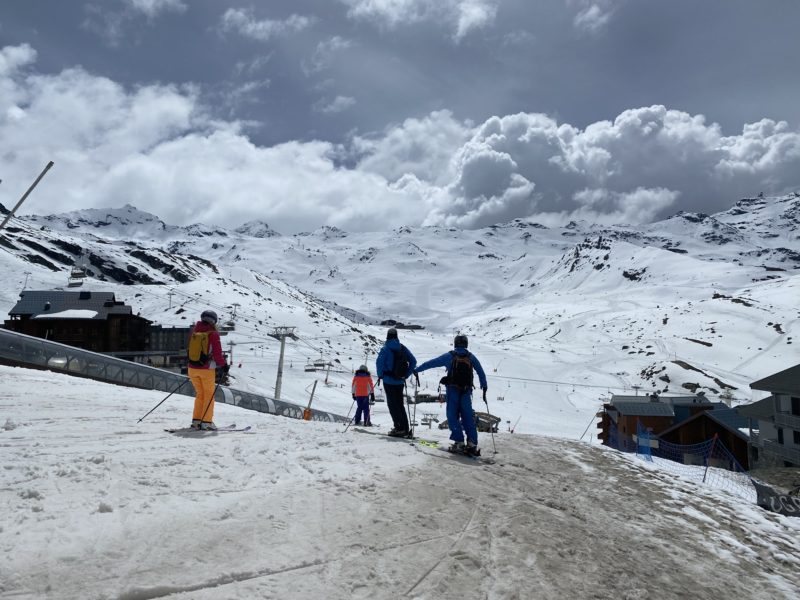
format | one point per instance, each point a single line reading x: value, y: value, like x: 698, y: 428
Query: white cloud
x: 425, y: 148
x: 152, y: 8
x: 246, y: 24
x: 156, y: 147
x: 460, y: 16
x: 637, y: 206
x: 593, y: 16
x: 110, y: 21
x: 337, y: 105
x: 324, y: 53
x: 14, y: 57
x: 253, y: 65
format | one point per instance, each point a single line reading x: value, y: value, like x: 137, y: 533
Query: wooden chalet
x: 724, y: 423
x: 621, y: 416
x: 93, y: 321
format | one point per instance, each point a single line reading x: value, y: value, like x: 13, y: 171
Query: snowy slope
x: 559, y: 317
x: 100, y: 507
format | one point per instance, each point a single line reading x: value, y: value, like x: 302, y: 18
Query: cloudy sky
x: 370, y: 114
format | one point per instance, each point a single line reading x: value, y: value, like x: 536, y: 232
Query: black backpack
x: 400, y: 363
x: 461, y: 373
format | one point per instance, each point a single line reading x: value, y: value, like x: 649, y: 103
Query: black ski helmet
x: 209, y: 316
x: 460, y: 341
x: 391, y: 334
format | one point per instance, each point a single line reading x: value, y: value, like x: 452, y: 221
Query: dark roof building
x: 776, y: 420
x: 91, y: 320
x: 783, y: 382
x: 50, y: 304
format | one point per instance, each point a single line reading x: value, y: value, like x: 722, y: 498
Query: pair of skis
x: 424, y: 444
x: 191, y: 430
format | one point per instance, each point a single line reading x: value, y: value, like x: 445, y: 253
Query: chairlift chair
x: 76, y: 276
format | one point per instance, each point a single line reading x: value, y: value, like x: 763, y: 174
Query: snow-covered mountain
x: 559, y: 316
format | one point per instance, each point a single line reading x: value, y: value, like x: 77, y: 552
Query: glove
x: 225, y: 369
x: 378, y: 383
x: 354, y: 396
x: 484, y: 397
x: 372, y: 397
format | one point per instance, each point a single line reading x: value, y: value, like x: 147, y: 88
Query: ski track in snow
x: 301, y: 510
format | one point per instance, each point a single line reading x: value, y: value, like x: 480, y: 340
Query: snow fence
x: 17, y: 349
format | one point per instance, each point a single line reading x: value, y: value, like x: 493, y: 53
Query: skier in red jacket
x: 363, y: 389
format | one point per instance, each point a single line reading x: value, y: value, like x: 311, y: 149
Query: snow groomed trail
x: 100, y: 509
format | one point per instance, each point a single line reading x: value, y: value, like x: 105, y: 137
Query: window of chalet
x: 795, y: 405
x: 780, y: 436
x: 796, y: 436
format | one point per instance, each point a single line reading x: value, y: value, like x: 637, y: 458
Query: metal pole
x: 307, y: 411
x: 25, y: 195
x: 491, y: 425
x: 279, y: 380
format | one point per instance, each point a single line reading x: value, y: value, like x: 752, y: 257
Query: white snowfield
x: 98, y: 506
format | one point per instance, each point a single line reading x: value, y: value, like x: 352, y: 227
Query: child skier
x: 363, y: 389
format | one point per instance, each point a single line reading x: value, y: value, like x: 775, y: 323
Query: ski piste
x: 226, y: 429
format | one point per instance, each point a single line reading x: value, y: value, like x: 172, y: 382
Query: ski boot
x: 457, y: 448
x: 472, y: 449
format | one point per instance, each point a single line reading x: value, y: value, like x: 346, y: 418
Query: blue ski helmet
x: 209, y: 316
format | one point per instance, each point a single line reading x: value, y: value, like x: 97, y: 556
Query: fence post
x: 710, y: 452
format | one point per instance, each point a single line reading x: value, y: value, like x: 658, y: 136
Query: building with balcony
x: 775, y: 420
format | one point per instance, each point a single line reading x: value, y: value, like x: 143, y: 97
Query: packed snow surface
x: 99, y: 506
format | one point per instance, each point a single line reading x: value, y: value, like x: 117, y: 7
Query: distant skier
x: 394, y: 364
x: 459, y: 383
x: 205, y: 356
x: 363, y: 389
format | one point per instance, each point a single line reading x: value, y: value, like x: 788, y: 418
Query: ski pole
x: 491, y: 425
x: 349, y: 420
x: 416, y: 388
x: 408, y: 408
x: 203, y: 418
x: 165, y: 399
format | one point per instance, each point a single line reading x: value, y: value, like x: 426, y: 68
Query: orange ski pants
x: 204, y: 384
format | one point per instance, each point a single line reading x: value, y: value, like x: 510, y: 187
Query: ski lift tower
x: 281, y: 333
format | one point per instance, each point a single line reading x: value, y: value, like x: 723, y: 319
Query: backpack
x: 400, y: 363
x: 198, y: 351
x: 461, y: 372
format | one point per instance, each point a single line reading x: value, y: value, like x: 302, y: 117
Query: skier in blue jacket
x: 459, y: 383
x: 393, y: 365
